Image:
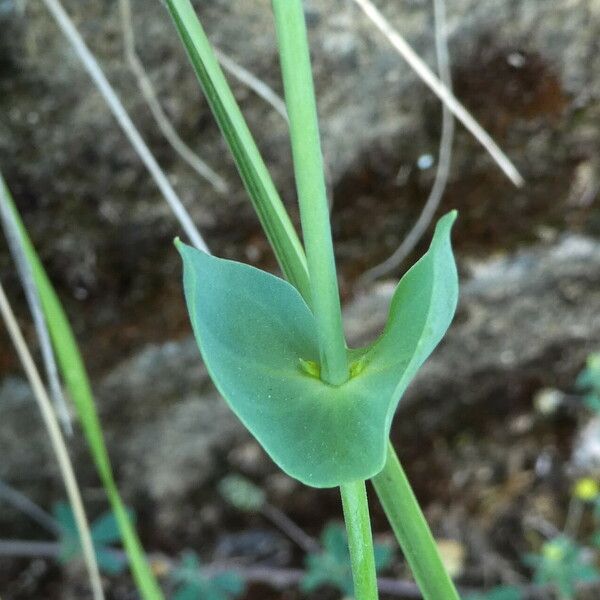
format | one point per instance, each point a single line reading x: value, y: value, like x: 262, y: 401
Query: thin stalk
x: 440, y: 90
x: 310, y: 183
x: 360, y: 539
x: 252, y: 82
x: 129, y: 129
x: 58, y: 444
x: 412, y: 532
x: 23, y: 504
x: 150, y: 96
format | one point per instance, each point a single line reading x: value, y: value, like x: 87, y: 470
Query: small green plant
x: 333, y: 567
x: 588, y: 382
x: 562, y: 564
x: 105, y: 533
x: 192, y: 584
x: 276, y: 350
x: 242, y: 494
x: 501, y: 592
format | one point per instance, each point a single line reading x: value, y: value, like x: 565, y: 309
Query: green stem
x: 261, y: 190
x: 412, y: 531
x: 310, y: 183
x: 360, y: 540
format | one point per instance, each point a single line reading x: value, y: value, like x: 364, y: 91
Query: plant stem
x: 412, y: 532
x: 310, y: 183
x: 58, y: 445
x: 261, y: 189
x: 360, y: 540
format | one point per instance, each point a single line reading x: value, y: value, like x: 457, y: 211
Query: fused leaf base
x: 259, y: 342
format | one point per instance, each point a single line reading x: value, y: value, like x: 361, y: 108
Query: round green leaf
x: 259, y: 342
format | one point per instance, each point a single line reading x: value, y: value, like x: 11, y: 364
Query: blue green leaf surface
x: 258, y: 339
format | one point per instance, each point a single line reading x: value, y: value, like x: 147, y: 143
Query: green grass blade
x: 77, y: 382
x: 256, y: 178
x: 412, y: 532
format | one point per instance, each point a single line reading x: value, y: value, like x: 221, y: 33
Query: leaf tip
x: 445, y: 223
x: 183, y: 249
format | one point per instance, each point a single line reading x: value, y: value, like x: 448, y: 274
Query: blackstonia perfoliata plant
x: 276, y: 349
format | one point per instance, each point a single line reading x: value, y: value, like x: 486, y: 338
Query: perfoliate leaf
x: 257, y: 337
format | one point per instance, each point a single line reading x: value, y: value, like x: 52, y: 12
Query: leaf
x: 502, y: 592
x: 194, y: 585
x: 63, y: 513
x: 188, y: 592
x: 229, y: 583
x: 242, y: 493
x: 263, y: 194
x: 105, y: 529
x: 256, y: 335
x: 110, y: 561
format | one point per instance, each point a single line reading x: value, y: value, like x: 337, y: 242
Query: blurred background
x: 498, y: 430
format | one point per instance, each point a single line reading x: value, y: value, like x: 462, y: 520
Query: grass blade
x: 58, y: 444
x: 78, y: 384
x: 11, y: 231
x: 256, y: 178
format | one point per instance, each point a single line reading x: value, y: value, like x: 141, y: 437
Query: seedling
x: 501, y: 592
x: 562, y: 563
x: 333, y: 567
x: 276, y: 350
x: 193, y: 584
x: 588, y: 382
x: 105, y: 532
